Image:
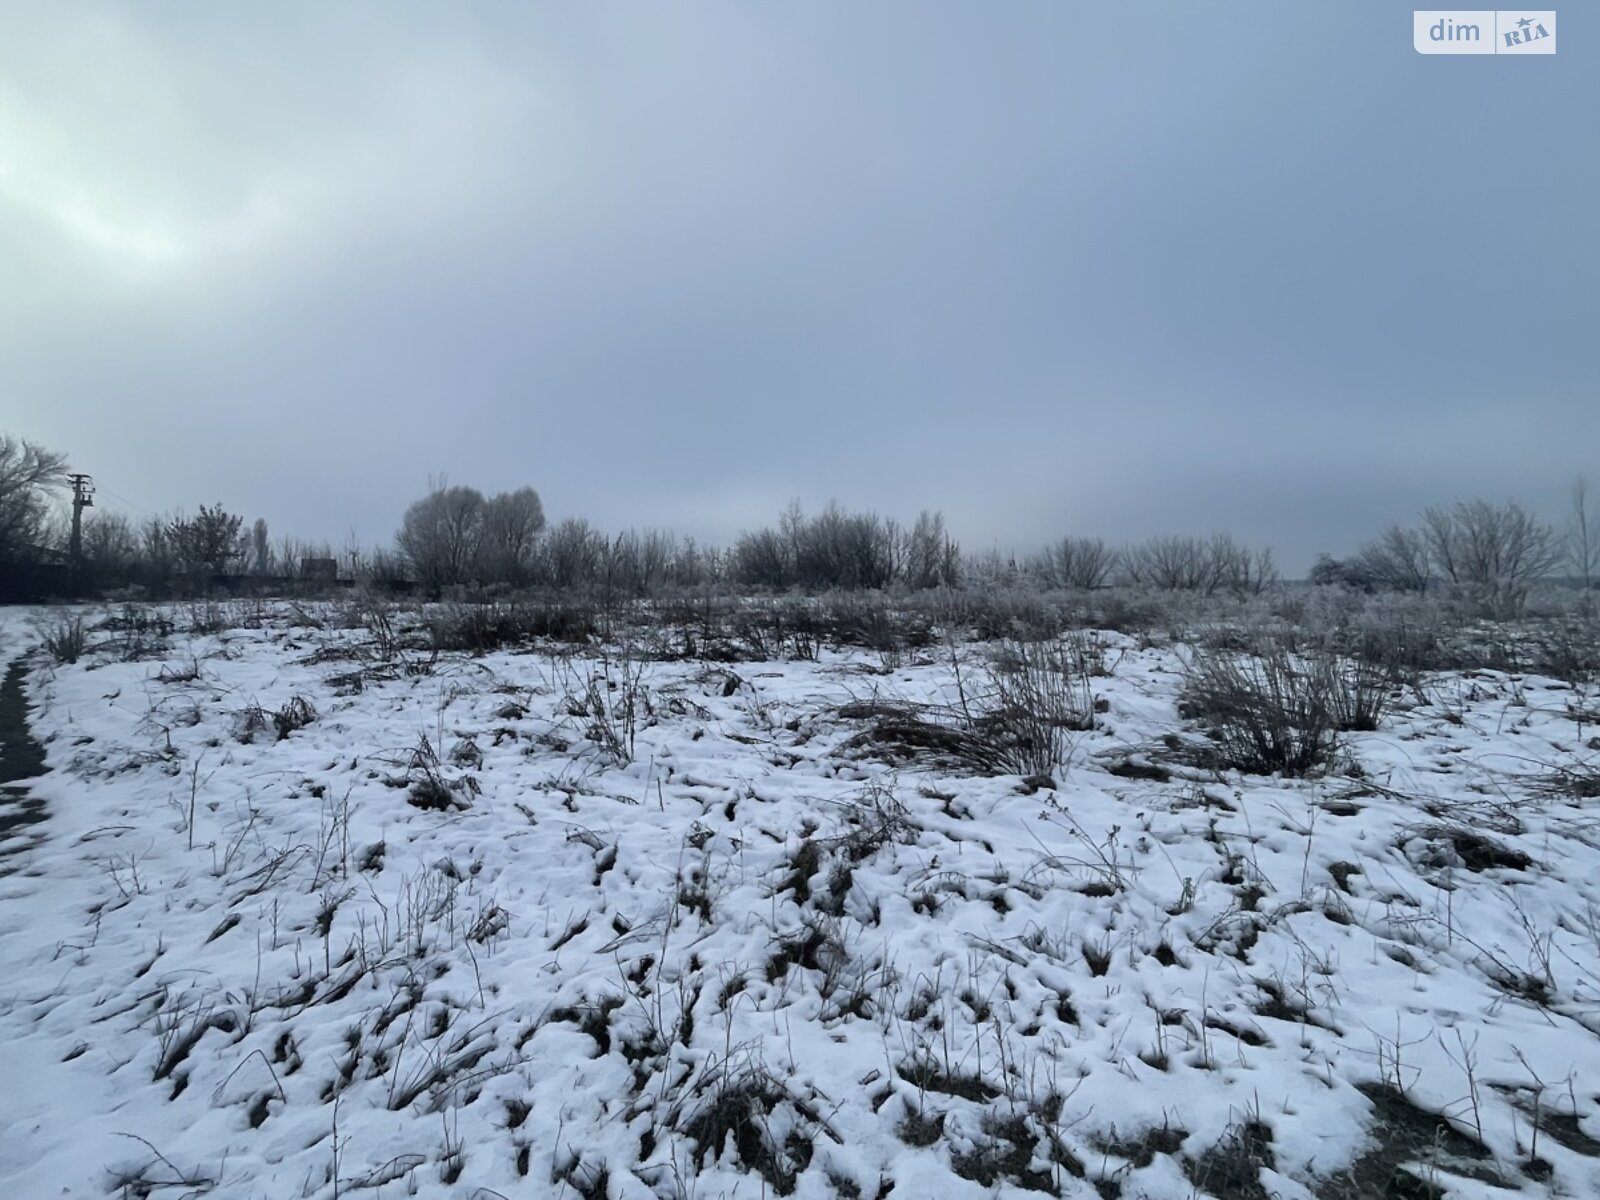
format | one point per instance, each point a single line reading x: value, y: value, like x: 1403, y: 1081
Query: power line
x: 129, y: 503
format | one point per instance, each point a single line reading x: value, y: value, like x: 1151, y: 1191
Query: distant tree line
x: 453, y: 536
x: 1488, y: 553
x: 456, y: 537
x: 163, y: 555
x: 213, y: 542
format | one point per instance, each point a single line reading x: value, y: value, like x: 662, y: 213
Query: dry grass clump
x: 1272, y: 710
x: 137, y: 632
x: 296, y: 713
x: 1568, y: 649
x: 482, y: 628
x: 1017, y: 719
x: 65, y: 640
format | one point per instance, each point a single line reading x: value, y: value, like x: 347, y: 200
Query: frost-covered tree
x: 1583, y: 534
x: 28, y: 474
x: 930, y: 558
x: 762, y: 558
x: 573, y: 551
x: 441, y: 534
x: 1491, y: 551
x: 1397, y: 561
x: 509, y: 536
x: 1169, y: 563
x: 1083, y: 563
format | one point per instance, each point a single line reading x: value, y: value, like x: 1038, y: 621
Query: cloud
x: 1051, y: 270
x: 159, y: 152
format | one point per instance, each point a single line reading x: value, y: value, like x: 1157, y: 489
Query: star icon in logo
x: 1525, y: 22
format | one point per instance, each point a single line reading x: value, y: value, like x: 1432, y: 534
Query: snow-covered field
x: 316, y: 917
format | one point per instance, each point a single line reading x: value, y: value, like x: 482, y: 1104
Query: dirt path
x: 21, y: 758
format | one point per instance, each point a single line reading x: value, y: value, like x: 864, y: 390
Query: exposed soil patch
x: 1461, y: 846
x: 20, y: 758
x: 1411, y: 1149
x: 1232, y: 1167
x: 1141, y: 1149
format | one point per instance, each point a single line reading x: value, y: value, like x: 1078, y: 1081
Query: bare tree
x: 109, y: 541
x: 1233, y: 567
x: 688, y: 567
x: 288, y: 555
x: 1397, y: 561
x: 386, y: 568
x: 441, y: 533
x: 155, y: 548
x: 28, y: 474
x: 572, y: 553
x: 792, y: 529
x: 512, y: 522
x: 1082, y: 563
x: 834, y: 549
x: 1583, y: 534
x: 1170, y: 563
x: 1492, y: 551
x: 762, y: 559
x: 985, y: 569
x: 929, y: 558
x: 1206, y: 565
x: 1443, y: 540
x: 640, y: 561
x: 354, y: 562
x: 846, y: 550
x: 1260, y: 570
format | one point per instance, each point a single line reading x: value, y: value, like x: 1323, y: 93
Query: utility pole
x: 82, y: 498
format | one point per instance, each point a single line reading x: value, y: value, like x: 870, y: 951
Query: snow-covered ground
x: 456, y: 934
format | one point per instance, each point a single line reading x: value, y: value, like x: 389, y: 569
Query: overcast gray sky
x: 1118, y: 269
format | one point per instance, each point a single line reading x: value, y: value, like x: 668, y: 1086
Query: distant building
x: 319, y: 570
